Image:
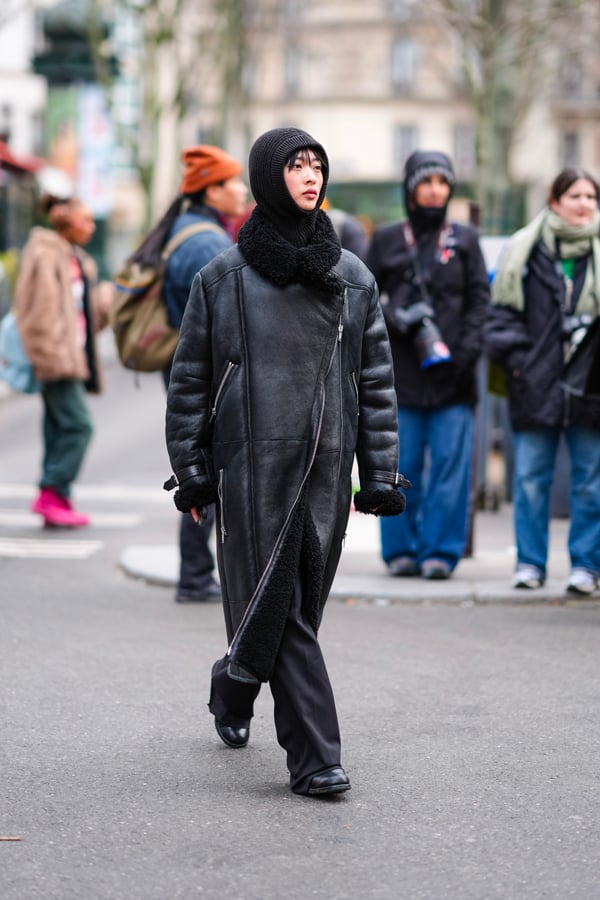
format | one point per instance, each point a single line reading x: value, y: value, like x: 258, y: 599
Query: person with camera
x: 546, y: 295
x: 435, y: 297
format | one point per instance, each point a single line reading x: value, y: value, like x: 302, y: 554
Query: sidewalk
x: 483, y: 578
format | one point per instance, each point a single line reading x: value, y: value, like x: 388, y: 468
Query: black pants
x: 197, y: 562
x: 304, y: 707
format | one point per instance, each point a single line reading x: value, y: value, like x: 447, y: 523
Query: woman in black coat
x: 544, y: 331
x: 282, y: 374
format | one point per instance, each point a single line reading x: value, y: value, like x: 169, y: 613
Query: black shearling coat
x: 283, y: 385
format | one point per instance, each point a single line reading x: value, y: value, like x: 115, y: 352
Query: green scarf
x: 575, y: 241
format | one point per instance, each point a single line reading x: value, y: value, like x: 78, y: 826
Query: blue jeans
x: 436, y: 449
x: 535, y: 455
x: 67, y: 428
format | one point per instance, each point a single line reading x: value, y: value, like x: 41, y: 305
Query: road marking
x: 18, y: 548
x: 23, y: 519
x: 119, y: 493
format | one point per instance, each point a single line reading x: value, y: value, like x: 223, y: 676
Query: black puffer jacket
x: 282, y: 385
x: 459, y: 290
x: 529, y: 346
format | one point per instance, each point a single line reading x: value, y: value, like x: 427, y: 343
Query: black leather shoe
x: 331, y: 781
x: 232, y: 736
x: 210, y: 594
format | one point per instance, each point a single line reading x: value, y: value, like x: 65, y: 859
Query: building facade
x: 376, y: 80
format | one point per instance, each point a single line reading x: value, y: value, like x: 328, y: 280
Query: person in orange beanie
x: 212, y: 195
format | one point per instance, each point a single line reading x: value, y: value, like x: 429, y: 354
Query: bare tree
x: 509, y: 52
x: 193, y: 54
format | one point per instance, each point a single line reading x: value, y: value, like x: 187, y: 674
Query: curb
x: 158, y: 564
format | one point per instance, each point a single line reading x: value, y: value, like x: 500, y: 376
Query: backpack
x: 138, y: 316
x: 15, y: 367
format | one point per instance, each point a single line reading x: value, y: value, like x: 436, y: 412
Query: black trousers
x: 197, y: 562
x: 304, y: 707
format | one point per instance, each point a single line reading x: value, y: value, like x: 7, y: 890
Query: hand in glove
x: 194, y: 492
x: 380, y: 499
x: 407, y: 319
x: 195, y: 488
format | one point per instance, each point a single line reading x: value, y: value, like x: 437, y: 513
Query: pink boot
x: 57, y: 510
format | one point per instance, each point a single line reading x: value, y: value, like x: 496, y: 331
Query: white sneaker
x: 527, y: 576
x: 582, y: 581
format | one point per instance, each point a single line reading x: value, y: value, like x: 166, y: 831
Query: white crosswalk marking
x: 17, y: 548
x: 125, y: 507
x: 23, y: 519
x: 114, y: 493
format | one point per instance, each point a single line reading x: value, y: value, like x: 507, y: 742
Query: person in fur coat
x: 59, y: 308
x: 283, y: 373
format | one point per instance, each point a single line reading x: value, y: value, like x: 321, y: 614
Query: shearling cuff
x: 380, y: 502
x: 195, y: 492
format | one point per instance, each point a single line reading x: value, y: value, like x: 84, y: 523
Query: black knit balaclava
x: 268, y: 156
x: 420, y: 165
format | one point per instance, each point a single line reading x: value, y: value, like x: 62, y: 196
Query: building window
x: 251, y: 12
x: 404, y: 64
x: 405, y: 142
x: 293, y: 10
x: 37, y: 133
x: 569, y: 149
x: 293, y: 66
x: 571, y: 78
x: 249, y: 75
x: 464, y: 152
x: 401, y: 10
x: 6, y: 122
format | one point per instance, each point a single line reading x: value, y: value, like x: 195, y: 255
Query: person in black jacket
x: 543, y: 329
x: 283, y: 372
x: 435, y: 296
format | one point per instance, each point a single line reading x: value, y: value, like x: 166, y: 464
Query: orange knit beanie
x: 205, y: 165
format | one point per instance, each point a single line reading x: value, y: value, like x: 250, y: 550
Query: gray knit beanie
x: 423, y: 163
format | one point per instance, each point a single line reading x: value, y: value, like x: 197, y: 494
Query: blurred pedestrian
x: 211, y: 197
x: 546, y: 296
x: 435, y: 295
x: 282, y: 373
x: 350, y: 230
x: 59, y: 308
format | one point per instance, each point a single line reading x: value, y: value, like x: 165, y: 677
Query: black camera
x: 429, y: 344
x: 418, y: 321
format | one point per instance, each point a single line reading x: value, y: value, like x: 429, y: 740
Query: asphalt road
x: 471, y: 734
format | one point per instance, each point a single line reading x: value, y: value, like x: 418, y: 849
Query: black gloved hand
x: 406, y: 320
x: 195, y: 484
x: 377, y: 498
x: 197, y: 491
x: 195, y: 487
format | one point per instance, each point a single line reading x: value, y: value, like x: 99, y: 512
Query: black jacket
x: 282, y: 385
x: 459, y: 290
x: 530, y: 347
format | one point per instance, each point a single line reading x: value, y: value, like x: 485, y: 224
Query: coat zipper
x: 230, y: 367
x: 355, y: 386
x: 252, y: 600
x: 222, y: 505
x: 341, y: 380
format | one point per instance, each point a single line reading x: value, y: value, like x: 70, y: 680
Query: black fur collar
x: 282, y: 263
